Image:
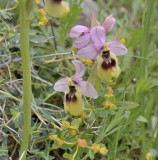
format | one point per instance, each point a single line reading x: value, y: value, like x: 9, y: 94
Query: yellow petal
x: 57, y: 9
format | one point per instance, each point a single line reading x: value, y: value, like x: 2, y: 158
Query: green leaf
x: 75, y: 122
x: 91, y: 154
x: 39, y: 15
x: 115, y: 121
x: 46, y: 115
x: 67, y: 156
x: 128, y: 105
x: 142, y: 119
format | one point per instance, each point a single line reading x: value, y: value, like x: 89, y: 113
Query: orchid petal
x: 98, y: 36
x: 80, y: 69
x: 89, y: 52
x: 117, y: 48
x: 109, y: 23
x: 88, y: 90
x: 78, y: 30
x: 61, y: 85
x: 94, y: 22
x: 82, y: 41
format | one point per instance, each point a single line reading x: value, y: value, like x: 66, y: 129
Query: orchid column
x: 25, y: 10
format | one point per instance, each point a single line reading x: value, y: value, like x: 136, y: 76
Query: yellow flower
x: 112, y: 106
x: 87, y: 61
x: 53, y: 137
x: 81, y: 143
x: 60, y: 142
x: 73, y: 102
x: 73, y: 130
x: 42, y: 11
x: 57, y: 8
x: 40, y: 23
x: 122, y: 40
x: 110, y: 90
x: 75, y: 50
x: 106, y: 104
x: 107, y: 66
x: 84, y: 116
x: 37, y: 1
x: 108, y: 95
x: 95, y: 147
x: 65, y: 124
x: 103, y: 151
x: 148, y: 155
x: 44, y: 20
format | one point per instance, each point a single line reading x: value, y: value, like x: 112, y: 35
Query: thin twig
x: 55, y: 44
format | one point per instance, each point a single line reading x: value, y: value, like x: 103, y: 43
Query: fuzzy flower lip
x: 87, y: 89
x: 98, y: 37
x: 82, y: 34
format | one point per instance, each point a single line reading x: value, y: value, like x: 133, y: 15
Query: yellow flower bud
x: 81, y: 143
x: 112, y: 106
x: 87, y: 61
x: 148, y: 156
x: 53, y: 137
x: 40, y: 23
x: 42, y: 11
x: 84, y: 116
x: 75, y: 50
x: 60, y: 142
x: 103, y: 151
x: 37, y: 1
x: 110, y: 90
x: 44, y: 20
x: 108, y: 95
x: 122, y: 40
x: 56, y: 8
x: 95, y: 147
x: 65, y: 124
x: 73, y: 130
x: 106, y: 104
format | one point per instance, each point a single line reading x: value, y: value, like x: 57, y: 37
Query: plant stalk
x: 27, y: 93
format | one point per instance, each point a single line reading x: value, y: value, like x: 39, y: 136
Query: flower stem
x: 145, y: 38
x: 24, y: 41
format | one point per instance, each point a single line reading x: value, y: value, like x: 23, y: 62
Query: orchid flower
x: 74, y: 88
x: 104, y: 52
x: 82, y: 33
x: 57, y: 8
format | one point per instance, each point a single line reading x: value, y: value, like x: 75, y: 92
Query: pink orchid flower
x: 82, y: 33
x: 64, y: 84
x: 98, y: 35
x: 74, y: 88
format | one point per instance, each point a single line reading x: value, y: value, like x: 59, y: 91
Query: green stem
x: 24, y: 41
x: 144, y: 51
x: 145, y: 42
